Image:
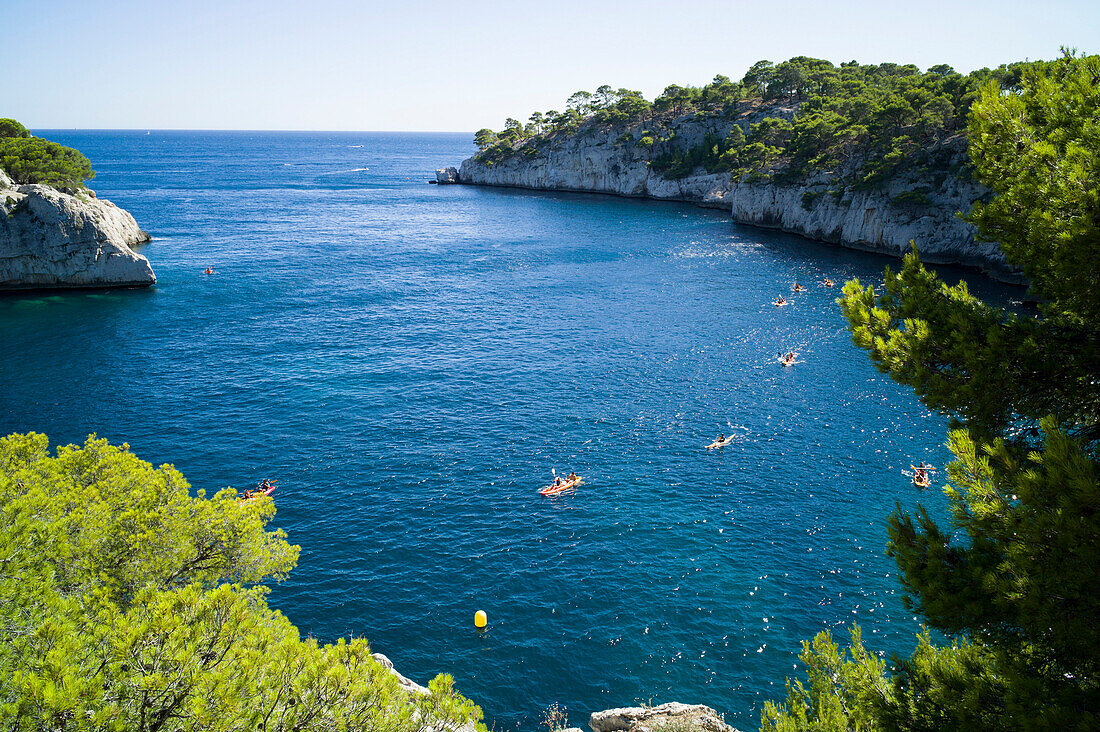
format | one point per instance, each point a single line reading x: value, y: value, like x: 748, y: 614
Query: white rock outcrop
x: 652, y: 719
x: 607, y: 161
x: 444, y: 176
x: 55, y: 239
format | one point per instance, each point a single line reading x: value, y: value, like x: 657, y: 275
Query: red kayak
x: 253, y: 495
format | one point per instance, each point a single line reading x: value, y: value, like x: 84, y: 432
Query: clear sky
x: 455, y: 65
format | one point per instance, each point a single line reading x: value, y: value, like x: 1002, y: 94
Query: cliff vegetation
x: 859, y: 124
x: 29, y: 159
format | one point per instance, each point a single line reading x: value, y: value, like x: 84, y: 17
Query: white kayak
x: 718, y: 443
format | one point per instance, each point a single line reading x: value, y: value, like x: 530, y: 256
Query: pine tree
x: 1015, y: 579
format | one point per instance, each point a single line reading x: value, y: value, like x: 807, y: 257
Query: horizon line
x: 242, y: 129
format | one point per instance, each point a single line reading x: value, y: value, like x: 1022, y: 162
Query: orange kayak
x: 565, y: 485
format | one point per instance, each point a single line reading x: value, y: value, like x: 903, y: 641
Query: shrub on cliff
x: 34, y: 160
x: 1015, y: 578
x: 128, y: 604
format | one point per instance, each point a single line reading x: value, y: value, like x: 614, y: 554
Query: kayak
x: 565, y: 485
x: 922, y: 482
x: 258, y: 494
x: 716, y: 443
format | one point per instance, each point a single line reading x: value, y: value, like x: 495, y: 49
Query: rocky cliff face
x: 607, y: 161
x: 54, y: 239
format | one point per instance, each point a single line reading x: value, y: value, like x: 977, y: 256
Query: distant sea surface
x: 412, y: 362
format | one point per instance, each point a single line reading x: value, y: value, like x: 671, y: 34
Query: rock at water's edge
x: 648, y: 719
x: 444, y: 176
x: 407, y: 684
x: 414, y: 689
x: 55, y: 239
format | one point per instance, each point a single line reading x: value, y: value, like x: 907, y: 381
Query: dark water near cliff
x: 410, y: 361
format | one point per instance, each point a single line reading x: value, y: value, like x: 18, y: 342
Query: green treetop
x: 30, y: 159
x: 11, y: 128
x: 861, y: 123
x: 131, y: 605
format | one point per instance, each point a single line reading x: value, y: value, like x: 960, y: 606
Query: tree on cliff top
x: 130, y: 605
x: 1016, y: 577
x: 30, y: 159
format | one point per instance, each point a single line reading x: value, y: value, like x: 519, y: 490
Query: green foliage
x: 862, y: 124
x: 916, y: 197
x: 33, y: 160
x: 1014, y: 576
x: 11, y: 128
x: 1039, y: 150
x: 130, y: 605
x: 846, y: 688
x: 485, y: 138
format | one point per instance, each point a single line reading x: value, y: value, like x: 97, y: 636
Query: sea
x: 413, y: 362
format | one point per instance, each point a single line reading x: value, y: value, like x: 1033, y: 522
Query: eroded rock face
x: 653, y: 719
x: 606, y: 161
x: 54, y: 239
x: 444, y: 176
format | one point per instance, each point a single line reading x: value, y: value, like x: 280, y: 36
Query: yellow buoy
x: 480, y: 619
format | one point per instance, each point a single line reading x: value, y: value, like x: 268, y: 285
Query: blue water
x: 410, y: 362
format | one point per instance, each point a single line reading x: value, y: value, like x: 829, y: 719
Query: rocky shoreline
x: 888, y: 220
x: 622, y: 719
x: 51, y: 238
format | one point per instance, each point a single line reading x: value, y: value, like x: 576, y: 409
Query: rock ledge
x: 59, y: 239
x: 652, y: 719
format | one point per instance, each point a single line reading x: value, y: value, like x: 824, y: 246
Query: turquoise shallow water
x: 411, y: 361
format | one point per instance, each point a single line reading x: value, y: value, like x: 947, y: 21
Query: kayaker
x: 721, y: 437
x: 780, y: 301
x: 557, y: 480
x: 828, y: 282
x: 209, y: 270
x: 572, y: 476
x: 920, y: 472
x: 798, y: 288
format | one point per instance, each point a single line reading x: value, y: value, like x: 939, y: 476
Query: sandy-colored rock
x: 653, y: 719
x: 54, y: 239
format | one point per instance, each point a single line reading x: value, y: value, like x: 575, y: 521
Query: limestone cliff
x: 883, y: 219
x: 56, y: 239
